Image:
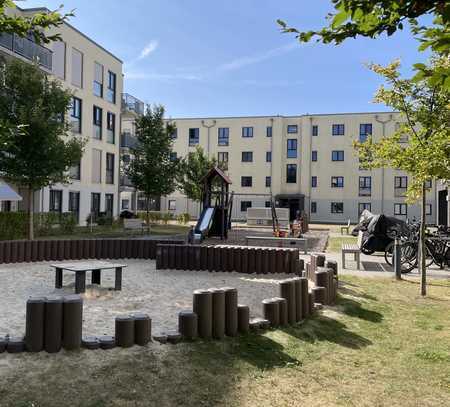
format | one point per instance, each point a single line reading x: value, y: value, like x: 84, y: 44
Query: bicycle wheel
x: 408, y: 256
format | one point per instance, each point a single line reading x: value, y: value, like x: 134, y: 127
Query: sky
x: 204, y: 58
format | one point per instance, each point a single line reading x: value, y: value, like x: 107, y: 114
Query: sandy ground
x: 161, y: 294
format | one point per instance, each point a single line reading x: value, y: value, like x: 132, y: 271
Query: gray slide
x: 205, y: 222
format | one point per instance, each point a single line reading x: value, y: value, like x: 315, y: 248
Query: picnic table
x: 291, y: 241
x: 80, y: 270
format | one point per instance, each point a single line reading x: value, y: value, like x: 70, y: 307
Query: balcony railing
x: 132, y: 104
x: 27, y: 49
x: 400, y: 192
x: 127, y: 140
x: 125, y: 181
x: 365, y: 191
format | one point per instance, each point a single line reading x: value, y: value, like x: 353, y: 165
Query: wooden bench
x: 354, y: 249
x: 80, y: 270
x: 290, y: 241
x: 134, y: 224
x: 346, y: 228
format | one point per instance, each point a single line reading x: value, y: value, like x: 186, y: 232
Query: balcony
x: 400, y: 192
x: 125, y: 181
x: 132, y: 104
x: 365, y: 191
x: 27, y: 49
x: 127, y: 140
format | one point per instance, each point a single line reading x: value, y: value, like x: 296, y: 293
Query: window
x: 313, y: 207
x: 314, y: 182
x: 125, y: 203
x: 95, y: 205
x: 223, y: 136
x: 246, y: 181
x: 109, y: 204
x: 98, y: 80
x: 247, y: 131
x: 400, y: 209
x: 292, y: 128
x: 75, y: 172
x: 268, y: 156
x: 173, y: 156
x: 365, y: 186
x: 315, y: 130
x: 291, y: 173
x: 194, y: 136
x: 222, y: 159
x: 400, y: 186
x: 337, y: 129
x: 292, y: 148
x: 365, y: 130
x: 268, y: 182
x: 364, y: 206
x: 55, y: 204
x: 267, y: 204
x: 74, y: 204
x: 172, y: 205
x: 77, y: 68
x: 245, y: 205
x: 97, y: 121
x: 428, y: 184
x: 111, y: 128
x: 109, y: 168
x: 428, y: 209
x: 337, y: 182
x: 314, y: 155
x: 96, y: 176
x: 337, y: 207
x: 59, y: 59
x: 112, y: 84
x: 337, y: 155
x: 174, y: 134
x: 75, y: 115
x: 247, y: 156
x: 269, y: 131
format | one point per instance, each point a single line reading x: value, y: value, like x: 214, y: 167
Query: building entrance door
x: 443, y: 208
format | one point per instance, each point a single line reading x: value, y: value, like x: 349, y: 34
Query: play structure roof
x: 216, y: 172
x: 8, y: 194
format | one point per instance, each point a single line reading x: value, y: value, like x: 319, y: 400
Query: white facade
x: 325, y: 175
x: 95, y: 78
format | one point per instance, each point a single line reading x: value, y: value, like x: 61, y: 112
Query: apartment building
x: 94, y: 76
x: 304, y: 162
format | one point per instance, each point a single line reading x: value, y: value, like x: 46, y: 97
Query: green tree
x: 424, y: 106
x: 372, y: 18
x: 37, y: 149
x: 153, y: 170
x: 193, y: 168
x: 34, y: 25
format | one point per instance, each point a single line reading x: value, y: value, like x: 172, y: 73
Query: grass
x: 382, y: 345
x: 84, y: 232
x: 335, y: 242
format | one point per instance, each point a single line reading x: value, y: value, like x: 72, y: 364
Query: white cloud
x: 161, y: 77
x: 255, y: 59
x: 148, y: 49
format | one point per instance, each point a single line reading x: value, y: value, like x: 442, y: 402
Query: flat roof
x: 45, y: 9
x: 277, y: 115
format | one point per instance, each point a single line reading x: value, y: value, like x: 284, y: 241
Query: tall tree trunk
x: 422, y: 249
x: 30, y: 213
x: 147, y: 213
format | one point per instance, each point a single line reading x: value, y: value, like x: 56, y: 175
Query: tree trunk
x: 422, y: 249
x: 30, y: 213
x: 147, y: 213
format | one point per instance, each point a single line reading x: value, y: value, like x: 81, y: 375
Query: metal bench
x: 134, y: 224
x: 354, y: 249
x: 289, y: 241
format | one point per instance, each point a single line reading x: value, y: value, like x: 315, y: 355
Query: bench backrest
x: 359, y: 241
x: 132, y: 223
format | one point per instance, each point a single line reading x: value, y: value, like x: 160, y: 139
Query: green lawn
x: 335, y: 242
x: 382, y: 345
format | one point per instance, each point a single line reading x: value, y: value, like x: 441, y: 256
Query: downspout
x: 383, y: 124
x: 208, y: 143
x: 271, y: 157
x: 310, y: 166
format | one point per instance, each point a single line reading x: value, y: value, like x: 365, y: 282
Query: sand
x: 161, y: 294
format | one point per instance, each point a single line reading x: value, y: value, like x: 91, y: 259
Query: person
x: 296, y: 229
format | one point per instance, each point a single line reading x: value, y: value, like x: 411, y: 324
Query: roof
x: 217, y: 172
x: 8, y: 194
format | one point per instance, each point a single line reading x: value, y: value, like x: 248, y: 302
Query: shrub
x: 68, y: 222
x: 13, y: 225
x: 166, y: 217
x: 183, y: 218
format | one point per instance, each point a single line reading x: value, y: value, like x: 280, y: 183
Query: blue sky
x: 228, y: 58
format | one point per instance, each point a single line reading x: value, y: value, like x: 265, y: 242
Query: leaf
x: 339, y: 19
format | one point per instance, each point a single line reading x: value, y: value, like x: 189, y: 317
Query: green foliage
x: 13, y: 225
x: 152, y: 171
x: 166, y: 217
x: 425, y: 110
x: 34, y: 25
x: 372, y: 18
x: 183, y: 218
x: 193, y: 168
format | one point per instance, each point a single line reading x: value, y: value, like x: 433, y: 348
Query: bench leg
x: 80, y: 282
x: 343, y: 260
x: 305, y: 247
x: 96, y: 277
x: 58, y: 278
x: 118, y: 284
x: 358, y: 261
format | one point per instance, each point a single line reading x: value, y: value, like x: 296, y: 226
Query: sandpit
x: 161, y: 294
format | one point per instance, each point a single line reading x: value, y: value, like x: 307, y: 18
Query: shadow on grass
x: 354, y: 309
x: 343, y: 289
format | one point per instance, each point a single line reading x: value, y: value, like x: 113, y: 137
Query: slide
x: 205, y: 222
